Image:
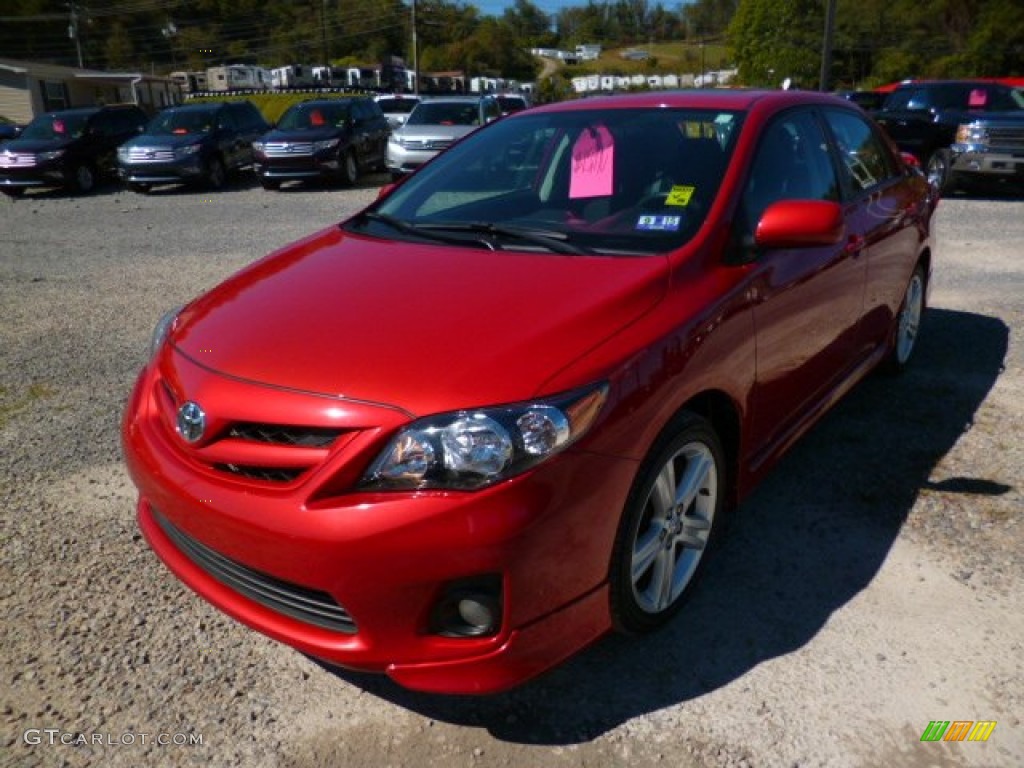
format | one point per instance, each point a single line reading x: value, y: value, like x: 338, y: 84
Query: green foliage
x: 875, y: 41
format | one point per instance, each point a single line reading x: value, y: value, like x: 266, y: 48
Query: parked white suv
x: 434, y: 125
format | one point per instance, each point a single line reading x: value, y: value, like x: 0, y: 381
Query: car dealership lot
x: 871, y: 586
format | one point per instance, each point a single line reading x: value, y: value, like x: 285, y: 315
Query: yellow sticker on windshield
x: 679, y: 195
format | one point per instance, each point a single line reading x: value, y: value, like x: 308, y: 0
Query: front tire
x: 216, y: 175
x: 83, y: 179
x: 673, y: 518
x: 937, y: 170
x: 349, y: 169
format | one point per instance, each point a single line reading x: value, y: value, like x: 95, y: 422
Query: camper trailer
x: 189, y: 82
x: 292, y: 76
x: 238, y: 77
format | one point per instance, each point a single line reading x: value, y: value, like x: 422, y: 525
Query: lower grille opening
x: 301, y: 603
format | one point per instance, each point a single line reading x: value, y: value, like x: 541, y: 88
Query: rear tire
x: 673, y: 518
x: 908, y: 323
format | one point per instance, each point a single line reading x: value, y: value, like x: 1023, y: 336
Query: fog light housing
x: 469, y: 608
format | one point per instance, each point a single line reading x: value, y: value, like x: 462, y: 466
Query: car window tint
x: 865, y: 159
x: 792, y: 163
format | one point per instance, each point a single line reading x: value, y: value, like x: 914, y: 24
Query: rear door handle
x: 855, y: 245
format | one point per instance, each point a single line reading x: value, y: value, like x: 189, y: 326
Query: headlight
x: 123, y: 153
x: 972, y: 133
x: 161, y: 331
x: 190, y: 149
x: 468, y: 450
x: 45, y: 156
x: 395, y: 139
x: 257, y: 146
x: 320, y: 146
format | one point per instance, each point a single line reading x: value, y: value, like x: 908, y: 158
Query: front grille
x: 288, y: 149
x: 307, y: 437
x: 1006, y: 136
x: 17, y: 160
x: 150, y: 155
x: 261, y: 451
x: 301, y: 603
x: 266, y: 474
x: 427, y: 143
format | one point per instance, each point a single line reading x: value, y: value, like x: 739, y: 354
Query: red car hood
x: 421, y: 327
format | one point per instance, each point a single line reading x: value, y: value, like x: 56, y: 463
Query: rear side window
x: 866, y: 161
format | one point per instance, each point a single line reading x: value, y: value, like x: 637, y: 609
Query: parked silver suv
x: 434, y: 125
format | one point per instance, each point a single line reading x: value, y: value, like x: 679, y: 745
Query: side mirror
x: 800, y: 224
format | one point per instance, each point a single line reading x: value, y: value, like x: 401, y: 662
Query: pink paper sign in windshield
x: 593, y: 157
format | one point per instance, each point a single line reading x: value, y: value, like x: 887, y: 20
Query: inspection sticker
x: 659, y: 223
x: 679, y: 195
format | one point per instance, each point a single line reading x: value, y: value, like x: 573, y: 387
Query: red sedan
x: 507, y: 408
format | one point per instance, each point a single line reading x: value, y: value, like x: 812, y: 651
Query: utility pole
x: 826, y: 50
x: 323, y: 42
x: 73, y: 32
x: 415, y: 54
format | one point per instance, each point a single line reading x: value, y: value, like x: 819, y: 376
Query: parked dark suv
x: 325, y: 139
x: 70, y: 148
x: 194, y: 143
x: 923, y: 118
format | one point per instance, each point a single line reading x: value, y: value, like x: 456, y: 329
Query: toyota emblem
x: 191, y: 422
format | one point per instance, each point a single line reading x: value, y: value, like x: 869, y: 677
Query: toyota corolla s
x: 507, y: 408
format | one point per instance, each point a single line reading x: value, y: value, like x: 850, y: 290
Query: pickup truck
x: 988, y: 149
x: 923, y: 118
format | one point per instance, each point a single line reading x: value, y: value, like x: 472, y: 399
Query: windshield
x: 445, y: 113
x: 397, y: 106
x: 308, y: 117
x: 181, y: 122
x: 47, y: 127
x: 623, y: 181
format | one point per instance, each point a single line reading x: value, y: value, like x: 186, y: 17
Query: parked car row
x: 331, y: 140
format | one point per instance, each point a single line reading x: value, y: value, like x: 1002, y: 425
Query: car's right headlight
x: 472, y: 449
x: 47, y: 156
x: 395, y: 139
x: 189, y: 149
x: 123, y: 153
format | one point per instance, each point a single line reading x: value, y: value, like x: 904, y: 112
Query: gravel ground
x: 871, y: 585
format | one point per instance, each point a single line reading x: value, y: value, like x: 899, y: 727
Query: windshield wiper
x: 416, y: 230
x: 553, y: 241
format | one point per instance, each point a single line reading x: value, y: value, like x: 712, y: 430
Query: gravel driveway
x: 873, y: 584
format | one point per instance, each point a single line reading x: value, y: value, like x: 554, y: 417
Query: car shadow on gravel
x: 813, y: 535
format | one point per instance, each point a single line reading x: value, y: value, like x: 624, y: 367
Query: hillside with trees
x: 875, y: 41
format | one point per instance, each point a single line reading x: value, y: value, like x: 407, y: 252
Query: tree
x: 778, y: 39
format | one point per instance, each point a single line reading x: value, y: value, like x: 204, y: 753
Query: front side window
x: 792, y: 163
x: 621, y: 181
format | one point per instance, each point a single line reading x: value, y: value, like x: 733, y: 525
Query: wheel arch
x: 723, y: 414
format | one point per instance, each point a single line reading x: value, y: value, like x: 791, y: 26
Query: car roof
x: 718, y: 99
x: 460, y: 99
